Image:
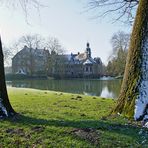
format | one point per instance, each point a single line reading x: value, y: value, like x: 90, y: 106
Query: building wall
x: 76, y: 70
x: 36, y: 62
x: 31, y: 61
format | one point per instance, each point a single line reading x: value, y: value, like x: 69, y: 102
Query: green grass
x: 50, y: 119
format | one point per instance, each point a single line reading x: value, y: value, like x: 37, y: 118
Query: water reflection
x: 107, y: 88
x: 105, y: 93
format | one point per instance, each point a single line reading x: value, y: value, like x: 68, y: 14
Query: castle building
x: 80, y: 65
x: 39, y: 62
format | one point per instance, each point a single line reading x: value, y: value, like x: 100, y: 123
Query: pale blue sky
x: 66, y: 20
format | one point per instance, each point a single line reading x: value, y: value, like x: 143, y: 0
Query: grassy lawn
x: 55, y: 119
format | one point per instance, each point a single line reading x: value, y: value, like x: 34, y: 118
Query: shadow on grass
x: 94, y: 124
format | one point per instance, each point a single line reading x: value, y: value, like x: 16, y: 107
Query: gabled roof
x: 89, y: 61
x: 81, y: 56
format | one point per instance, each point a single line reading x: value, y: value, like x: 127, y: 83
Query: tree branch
x: 123, y: 7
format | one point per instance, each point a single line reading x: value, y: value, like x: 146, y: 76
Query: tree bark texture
x: 133, y: 98
x: 6, y: 109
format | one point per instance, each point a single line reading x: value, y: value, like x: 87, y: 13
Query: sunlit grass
x: 48, y: 119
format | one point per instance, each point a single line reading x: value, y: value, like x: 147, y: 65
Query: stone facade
x: 78, y: 65
x: 31, y: 62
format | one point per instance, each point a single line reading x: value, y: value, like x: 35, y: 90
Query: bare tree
x: 24, y: 5
x: 31, y: 41
x: 56, y: 57
x: 133, y: 96
x: 37, y: 41
x: 117, y: 59
x: 7, y: 55
x: 117, y: 9
x: 54, y: 45
x: 119, y: 41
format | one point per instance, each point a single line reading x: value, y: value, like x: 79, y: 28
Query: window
x: 86, y: 69
x: 90, y: 69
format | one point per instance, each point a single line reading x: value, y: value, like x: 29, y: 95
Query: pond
x: 94, y: 87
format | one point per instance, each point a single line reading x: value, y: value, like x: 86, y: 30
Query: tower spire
x: 88, y: 50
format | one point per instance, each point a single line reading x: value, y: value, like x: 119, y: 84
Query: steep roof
x: 81, y: 56
x: 36, y: 52
x: 89, y: 61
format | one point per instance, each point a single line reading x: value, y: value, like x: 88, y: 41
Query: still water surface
x: 103, y: 88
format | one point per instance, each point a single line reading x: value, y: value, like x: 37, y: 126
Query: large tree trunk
x: 133, y: 98
x: 6, y: 109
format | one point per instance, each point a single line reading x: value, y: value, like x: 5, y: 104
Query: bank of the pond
x: 55, y: 119
x: 103, y: 88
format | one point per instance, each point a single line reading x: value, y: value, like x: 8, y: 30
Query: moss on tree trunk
x: 132, y: 76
